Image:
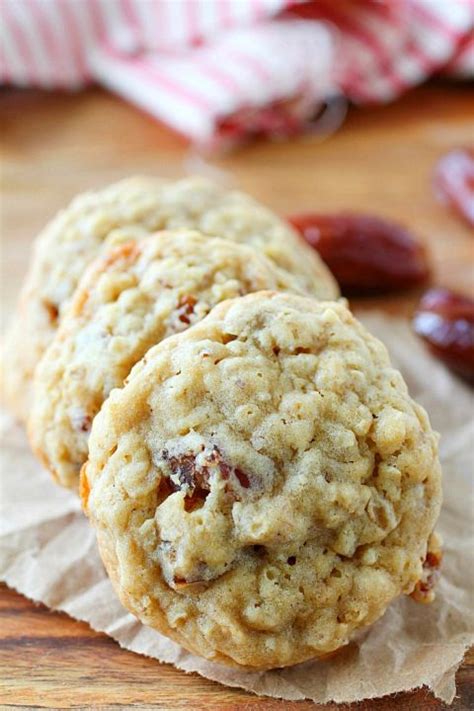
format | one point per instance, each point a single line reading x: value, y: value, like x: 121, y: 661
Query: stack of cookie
x: 261, y: 483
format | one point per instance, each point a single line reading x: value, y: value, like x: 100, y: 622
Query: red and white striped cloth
x: 217, y: 69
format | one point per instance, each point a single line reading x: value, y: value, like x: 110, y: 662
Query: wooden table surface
x: 53, y: 146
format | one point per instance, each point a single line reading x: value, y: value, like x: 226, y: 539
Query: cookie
x: 79, y: 233
x: 127, y: 301
x: 263, y: 486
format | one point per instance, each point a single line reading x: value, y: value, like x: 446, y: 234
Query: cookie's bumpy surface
x: 78, y: 234
x: 129, y: 300
x: 263, y: 485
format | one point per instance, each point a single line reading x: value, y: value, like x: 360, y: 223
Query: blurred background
x: 312, y: 107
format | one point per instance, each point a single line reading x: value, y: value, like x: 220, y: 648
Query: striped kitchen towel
x: 219, y: 70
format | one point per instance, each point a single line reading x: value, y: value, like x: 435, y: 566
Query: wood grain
x: 48, y: 660
x: 56, y: 145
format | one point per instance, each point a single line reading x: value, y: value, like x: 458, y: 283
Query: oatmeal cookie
x: 127, y: 301
x: 79, y: 233
x: 263, y: 485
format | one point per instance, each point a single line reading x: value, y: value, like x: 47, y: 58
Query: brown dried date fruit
x: 186, y: 306
x: 190, y: 477
x: 445, y: 320
x: 52, y: 311
x: 195, y: 479
x: 366, y: 254
x: 454, y: 182
x: 81, y: 421
x: 424, y: 588
x: 228, y: 471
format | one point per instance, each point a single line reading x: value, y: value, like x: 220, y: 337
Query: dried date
x: 190, y: 477
x: 454, y: 182
x: 186, y: 306
x: 52, y: 310
x: 445, y: 321
x: 366, y: 254
x: 195, y: 478
x: 424, y: 588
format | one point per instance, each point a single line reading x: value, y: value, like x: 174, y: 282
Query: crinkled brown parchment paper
x: 48, y: 553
